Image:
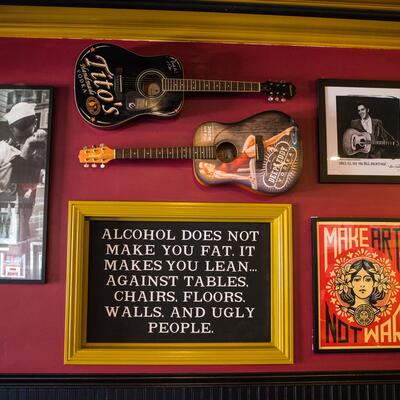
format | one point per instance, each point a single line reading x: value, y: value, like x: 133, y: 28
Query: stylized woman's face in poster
x: 363, y: 284
x: 362, y: 288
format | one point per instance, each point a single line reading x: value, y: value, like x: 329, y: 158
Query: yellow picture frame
x: 279, y: 350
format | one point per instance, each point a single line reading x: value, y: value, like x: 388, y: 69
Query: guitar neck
x: 384, y: 143
x: 205, y: 85
x: 166, y: 153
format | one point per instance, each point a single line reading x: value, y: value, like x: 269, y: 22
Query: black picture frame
x: 24, y: 160
x: 349, y: 153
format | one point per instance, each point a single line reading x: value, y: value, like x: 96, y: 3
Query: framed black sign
x: 179, y: 283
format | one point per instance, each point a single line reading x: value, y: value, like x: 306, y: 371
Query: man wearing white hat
x: 19, y: 111
x: 22, y: 157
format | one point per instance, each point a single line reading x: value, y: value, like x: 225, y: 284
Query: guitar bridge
x: 118, y: 85
x: 259, y: 148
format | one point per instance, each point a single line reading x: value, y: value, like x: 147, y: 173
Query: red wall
x: 32, y: 316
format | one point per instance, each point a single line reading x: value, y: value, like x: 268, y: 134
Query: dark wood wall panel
x: 374, y: 385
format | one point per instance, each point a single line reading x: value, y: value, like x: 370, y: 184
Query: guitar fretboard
x: 199, y: 152
x: 202, y: 85
x: 384, y: 143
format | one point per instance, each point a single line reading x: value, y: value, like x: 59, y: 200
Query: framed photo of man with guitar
x: 359, y: 131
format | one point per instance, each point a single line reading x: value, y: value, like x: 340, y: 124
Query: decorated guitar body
x: 263, y: 152
x: 114, y: 85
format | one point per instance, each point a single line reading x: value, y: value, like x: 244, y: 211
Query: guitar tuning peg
x: 84, y: 147
x: 86, y: 165
x: 102, y: 165
x: 94, y: 165
x: 101, y: 145
x: 270, y: 99
x: 283, y: 99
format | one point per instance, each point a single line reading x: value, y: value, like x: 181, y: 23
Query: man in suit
x: 374, y: 127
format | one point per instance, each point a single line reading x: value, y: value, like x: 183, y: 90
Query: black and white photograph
x: 359, y: 133
x: 25, y: 121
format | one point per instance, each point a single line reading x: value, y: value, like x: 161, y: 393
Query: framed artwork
x: 179, y: 283
x: 356, y: 284
x: 25, y: 122
x: 359, y: 135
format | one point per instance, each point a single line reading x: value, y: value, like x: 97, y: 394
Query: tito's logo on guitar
x: 97, y: 81
x: 114, y: 85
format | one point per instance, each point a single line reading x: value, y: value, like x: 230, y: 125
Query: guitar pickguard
x: 133, y: 102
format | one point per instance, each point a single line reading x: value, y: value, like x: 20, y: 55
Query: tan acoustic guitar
x: 263, y: 153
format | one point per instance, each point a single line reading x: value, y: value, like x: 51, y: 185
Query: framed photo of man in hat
x: 25, y: 122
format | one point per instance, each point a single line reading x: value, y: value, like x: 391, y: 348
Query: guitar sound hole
x: 149, y: 84
x: 226, y: 152
x: 359, y: 144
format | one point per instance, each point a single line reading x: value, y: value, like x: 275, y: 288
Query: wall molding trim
x: 343, y: 385
x: 217, y: 27
x: 387, y: 10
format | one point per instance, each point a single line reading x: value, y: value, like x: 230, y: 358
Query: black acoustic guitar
x: 114, y: 85
x: 263, y: 153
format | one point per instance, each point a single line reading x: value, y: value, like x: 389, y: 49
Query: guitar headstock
x: 278, y: 91
x: 96, y: 155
